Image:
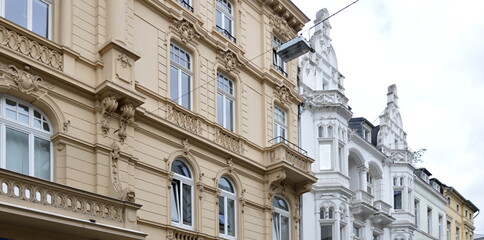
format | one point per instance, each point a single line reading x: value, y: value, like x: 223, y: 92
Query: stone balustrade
x: 31, y: 192
x: 382, y: 206
x: 363, y: 196
x: 283, y: 152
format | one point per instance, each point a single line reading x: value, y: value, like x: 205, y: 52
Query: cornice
x: 288, y: 11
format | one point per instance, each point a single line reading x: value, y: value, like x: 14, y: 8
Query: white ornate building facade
x: 366, y: 183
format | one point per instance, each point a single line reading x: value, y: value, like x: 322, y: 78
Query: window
x: 370, y: 182
x: 181, y: 194
x: 326, y: 232
x: 341, y: 156
x: 25, y: 139
x: 279, y: 65
x: 429, y: 221
x: 448, y: 230
x: 356, y: 232
x: 33, y: 15
x: 225, y: 19
x: 397, y: 199
x: 280, y: 219
x: 325, y: 154
x: 186, y: 4
x: 226, y: 209
x: 457, y: 207
x: 457, y: 233
x: 441, y: 227
x: 225, y: 102
x: 417, y: 212
x: 280, y: 125
x: 180, y: 76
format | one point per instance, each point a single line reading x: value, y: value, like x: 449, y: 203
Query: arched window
x: 181, y: 194
x: 25, y: 139
x: 280, y: 219
x: 226, y: 209
x: 370, y: 183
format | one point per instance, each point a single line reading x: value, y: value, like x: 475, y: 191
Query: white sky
x: 434, y: 51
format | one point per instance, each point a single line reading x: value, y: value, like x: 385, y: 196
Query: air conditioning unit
x: 294, y: 48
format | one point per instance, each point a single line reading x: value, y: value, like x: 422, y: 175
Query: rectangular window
x: 448, y: 230
x: 327, y: 232
x: 457, y: 233
x: 356, y: 232
x: 341, y: 159
x: 279, y: 65
x: 180, y: 76
x: 225, y: 102
x: 397, y: 199
x: 280, y: 125
x: 441, y: 227
x: 429, y: 221
x: 325, y: 156
x: 224, y: 19
x: 417, y: 212
x: 33, y: 15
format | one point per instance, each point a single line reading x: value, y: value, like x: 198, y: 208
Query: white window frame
x: 226, y: 195
x: 176, y: 51
x: 429, y: 220
x: 186, y: 4
x: 228, y: 97
x: 370, y: 183
x: 416, y: 207
x: 226, y: 10
x: 279, y: 213
x: 401, y: 199
x: 277, y: 61
x: 183, y: 181
x: 30, y: 14
x: 26, y: 128
x: 280, y: 123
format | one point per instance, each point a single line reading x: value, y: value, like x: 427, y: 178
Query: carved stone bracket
x: 24, y: 80
x: 128, y: 193
x: 125, y: 119
x: 185, y: 30
x: 284, y: 94
x: 228, y: 59
x: 109, y: 105
x: 275, y: 179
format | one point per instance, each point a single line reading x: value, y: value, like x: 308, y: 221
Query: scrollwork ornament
x: 284, y: 94
x: 109, y: 105
x: 186, y: 30
x: 114, y: 166
x: 229, y: 60
x: 25, y: 81
x: 125, y: 119
x: 123, y: 58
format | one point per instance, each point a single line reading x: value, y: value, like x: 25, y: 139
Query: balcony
x: 382, y: 217
x: 35, y: 203
x: 289, y: 163
x: 362, y: 204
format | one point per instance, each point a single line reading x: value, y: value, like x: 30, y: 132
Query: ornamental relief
x: 185, y: 30
x: 184, y: 120
x: 229, y: 142
x: 284, y: 94
x: 32, y: 49
x: 228, y: 59
x: 24, y: 79
x: 282, y: 28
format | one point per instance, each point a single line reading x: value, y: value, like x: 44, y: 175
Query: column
x: 363, y: 171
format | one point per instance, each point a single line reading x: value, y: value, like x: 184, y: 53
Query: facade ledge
x: 362, y: 204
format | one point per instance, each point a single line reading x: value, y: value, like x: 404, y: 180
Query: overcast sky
x: 433, y: 50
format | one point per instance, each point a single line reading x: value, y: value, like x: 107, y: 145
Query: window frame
x: 277, y: 61
x: 183, y: 181
x: 416, y: 206
x: 226, y: 97
x: 30, y: 130
x: 180, y: 70
x: 188, y: 4
x: 227, y: 12
x: 280, y: 123
x: 370, y: 183
x: 29, y: 18
x: 226, y: 195
x: 281, y: 213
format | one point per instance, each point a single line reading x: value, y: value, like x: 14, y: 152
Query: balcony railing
x: 361, y: 196
x: 46, y: 196
x: 291, y: 145
x: 280, y: 69
x: 185, y: 4
x: 226, y: 34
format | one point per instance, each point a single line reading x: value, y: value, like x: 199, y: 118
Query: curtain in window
x: 221, y: 214
x: 276, y: 232
x: 42, y: 158
x: 187, y: 204
x: 284, y: 228
x: 17, y: 151
x: 231, y: 217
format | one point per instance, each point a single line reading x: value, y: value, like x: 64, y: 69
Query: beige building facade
x: 149, y: 119
x: 460, y: 215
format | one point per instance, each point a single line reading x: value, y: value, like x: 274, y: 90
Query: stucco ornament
x: 123, y: 58
x: 125, y: 119
x: 186, y: 146
x: 284, y: 94
x: 186, y: 30
x: 25, y: 81
x: 114, y: 167
x: 281, y: 28
x: 109, y: 105
x: 229, y: 60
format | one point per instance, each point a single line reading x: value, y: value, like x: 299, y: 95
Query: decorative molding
x: 200, y: 186
x: 123, y: 58
x: 228, y: 59
x: 230, y: 165
x: 114, y: 167
x: 232, y: 143
x: 242, y: 200
x: 65, y: 126
x: 125, y: 119
x: 284, y: 94
x: 30, y: 48
x: 186, y: 146
x: 185, y: 30
x: 24, y: 80
x: 109, y: 105
x: 60, y: 146
x: 275, y: 179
